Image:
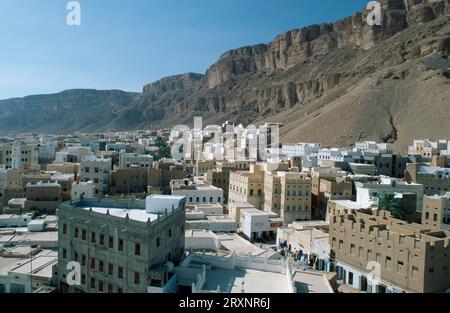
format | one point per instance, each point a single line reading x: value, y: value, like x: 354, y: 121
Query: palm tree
x: 388, y: 202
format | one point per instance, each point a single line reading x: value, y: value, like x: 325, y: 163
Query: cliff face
x: 333, y: 83
x: 307, y: 77
x: 67, y: 111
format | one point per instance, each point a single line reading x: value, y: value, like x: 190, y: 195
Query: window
x: 75, y: 232
x: 137, y: 248
x: 170, y: 233
x: 76, y: 256
x: 204, y: 199
x: 350, y: 278
x: 102, y: 240
x: 111, y: 242
x: 415, y: 271
x: 137, y: 278
x: 100, y: 285
x: 100, y: 266
x: 119, y: 290
x: 83, y: 279
x: 83, y: 234
x: 83, y: 260
x: 65, y: 229
x: 110, y: 288
x: 93, y: 263
x: 120, y: 244
x: 64, y: 253
x: 93, y: 237
x: 219, y: 199
x: 120, y: 272
x: 110, y: 269
x: 92, y: 282
x: 158, y: 242
x: 388, y: 261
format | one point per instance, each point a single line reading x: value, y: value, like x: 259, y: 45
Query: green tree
x: 164, y: 149
x: 388, y: 202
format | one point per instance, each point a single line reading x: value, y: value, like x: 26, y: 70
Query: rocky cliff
x: 333, y: 83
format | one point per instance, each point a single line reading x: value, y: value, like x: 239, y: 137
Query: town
x: 273, y: 218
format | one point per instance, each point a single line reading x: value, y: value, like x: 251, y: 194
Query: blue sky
x: 124, y: 44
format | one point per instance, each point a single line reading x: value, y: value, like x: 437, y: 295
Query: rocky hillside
x: 332, y: 83
x: 68, y: 111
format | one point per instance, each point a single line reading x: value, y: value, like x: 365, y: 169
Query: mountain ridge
x: 306, y: 78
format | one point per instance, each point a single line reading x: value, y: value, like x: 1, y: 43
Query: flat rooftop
x: 349, y: 204
x: 247, y: 280
x: 135, y: 215
x: 311, y: 282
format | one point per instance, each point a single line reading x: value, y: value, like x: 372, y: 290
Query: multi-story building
x: 436, y: 180
x: 300, y: 149
x: 248, y: 187
x: 122, y: 246
x: 436, y: 212
x: 169, y: 170
x: 374, y: 147
x: 127, y: 160
x: 402, y: 257
x: 43, y: 197
x: 131, y: 180
x: 288, y: 194
x: 233, y: 165
x: 65, y: 181
x: 220, y: 180
x: 19, y: 156
x: 367, y: 194
x: 196, y: 193
x: 317, y: 174
x: 203, y: 166
x: 82, y: 190
x: 64, y: 168
x: 258, y: 225
x: 338, y: 188
x: 427, y: 148
x: 98, y: 171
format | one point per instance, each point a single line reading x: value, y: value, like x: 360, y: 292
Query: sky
x: 125, y: 44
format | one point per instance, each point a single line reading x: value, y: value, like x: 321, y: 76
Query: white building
x: 80, y: 152
x: 159, y: 204
x: 29, y: 273
x: 214, y: 223
x: 374, y: 147
x: 115, y: 147
x: 98, y: 171
x: 82, y: 189
x: 300, y: 149
x: 367, y: 193
x: 14, y: 221
x: 127, y: 160
x: 256, y: 224
x: 428, y: 148
x: 196, y: 193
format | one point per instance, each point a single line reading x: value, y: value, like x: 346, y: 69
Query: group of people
x: 297, y: 256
